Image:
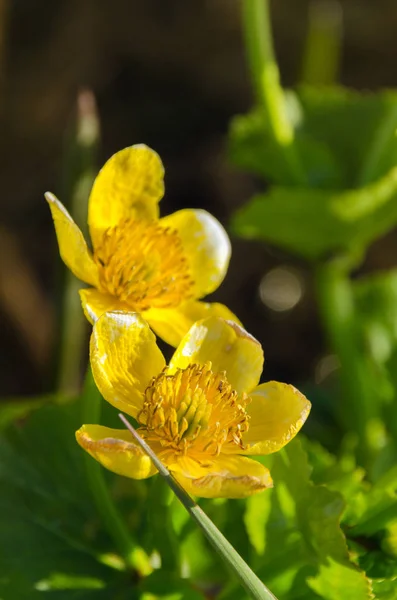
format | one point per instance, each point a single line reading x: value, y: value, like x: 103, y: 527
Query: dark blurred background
x: 171, y: 74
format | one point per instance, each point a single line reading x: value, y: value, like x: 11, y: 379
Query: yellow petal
x: 226, y: 477
x: 228, y: 346
x: 95, y: 303
x: 131, y: 183
x: 206, y: 246
x: 124, y: 358
x: 115, y: 450
x: 277, y: 412
x: 171, y: 324
x: 72, y: 246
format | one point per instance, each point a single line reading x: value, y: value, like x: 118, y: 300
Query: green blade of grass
x: 233, y: 560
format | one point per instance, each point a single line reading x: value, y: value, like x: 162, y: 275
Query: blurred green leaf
x: 378, y: 565
x: 344, y: 138
x: 385, y: 589
x: 20, y: 408
x: 359, y: 129
x: 376, y: 299
x: 252, y: 148
x: 376, y: 314
x: 51, y: 539
x: 256, y: 516
x: 314, y: 223
x: 164, y: 586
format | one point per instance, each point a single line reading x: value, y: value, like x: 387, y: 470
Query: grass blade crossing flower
x: 139, y: 262
x: 247, y: 577
x: 203, y: 415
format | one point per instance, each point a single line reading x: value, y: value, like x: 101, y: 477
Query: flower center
x: 194, y: 411
x: 143, y: 264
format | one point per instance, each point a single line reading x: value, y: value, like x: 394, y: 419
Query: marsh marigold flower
x: 203, y: 414
x: 139, y: 262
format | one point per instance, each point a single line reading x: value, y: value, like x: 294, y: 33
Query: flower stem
x: 321, y: 57
x: 134, y: 556
x: 79, y: 161
x: 266, y: 80
x: 337, y: 309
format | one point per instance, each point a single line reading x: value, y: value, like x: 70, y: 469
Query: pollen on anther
x: 143, y: 264
x: 199, y: 412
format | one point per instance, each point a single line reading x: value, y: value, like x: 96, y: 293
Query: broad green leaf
x: 51, y: 538
x: 251, y: 147
x: 385, y: 589
x: 303, y: 534
x: 344, y: 138
x: 314, y: 223
x: 336, y: 580
x: 359, y: 129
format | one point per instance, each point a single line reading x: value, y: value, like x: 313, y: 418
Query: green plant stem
x: 337, y: 309
x: 321, y: 58
x: 134, y: 556
x: 253, y: 585
x: 163, y: 532
x: 266, y: 80
x: 79, y: 162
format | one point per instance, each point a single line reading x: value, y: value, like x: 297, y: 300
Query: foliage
x: 336, y: 523
x: 322, y: 532
x: 349, y: 152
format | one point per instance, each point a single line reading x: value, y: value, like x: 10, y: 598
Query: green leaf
x: 385, y: 589
x: 304, y: 542
x: 314, y: 223
x: 256, y: 516
x: 164, y: 586
x: 20, y: 408
x: 336, y: 580
x: 376, y: 299
x: 51, y: 539
x: 376, y: 313
x: 252, y: 148
x: 344, y: 138
x: 359, y: 129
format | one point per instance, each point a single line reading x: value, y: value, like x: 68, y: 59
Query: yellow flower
x: 201, y: 414
x: 139, y: 262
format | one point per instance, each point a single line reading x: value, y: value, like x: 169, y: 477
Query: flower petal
x: 131, y: 183
x: 115, y: 450
x: 95, y: 303
x: 171, y: 324
x: 228, y: 346
x: 124, y: 358
x: 72, y: 246
x: 207, y: 247
x: 277, y: 412
x: 226, y: 477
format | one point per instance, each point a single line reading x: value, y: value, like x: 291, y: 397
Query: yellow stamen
x: 143, y: 264
x: 193, y: 411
